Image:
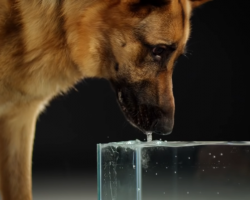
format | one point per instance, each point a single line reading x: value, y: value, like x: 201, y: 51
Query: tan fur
x: 46, y: 46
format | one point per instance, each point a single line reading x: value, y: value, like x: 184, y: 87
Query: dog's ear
x: 196, y: 3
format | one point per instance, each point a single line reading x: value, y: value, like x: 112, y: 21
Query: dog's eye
x: 158, y: 52
x: 161, y: 50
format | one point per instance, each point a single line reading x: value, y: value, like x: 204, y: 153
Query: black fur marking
x: 135, y: 7
x: 61, y: 18
x: 116, y: 67
x: 14, y: 26
x: 155, y: 3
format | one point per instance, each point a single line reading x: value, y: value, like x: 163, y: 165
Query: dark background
x: 210, y: 88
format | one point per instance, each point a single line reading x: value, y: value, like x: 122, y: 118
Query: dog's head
x: 136, y: 43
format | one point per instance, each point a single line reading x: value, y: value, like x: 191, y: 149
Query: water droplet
x: 218, y: 160
x: 139, y: 189
x: 189, y: 158
x: 164, y: 193
x: 166, y: 167
x: 107, y: 136
x: 203, y: 170
x: 176, y: 156
x: 133, y: 166
x: 149, y: 136
x: 214, y: 156
x: 157, y: 163
x: 218, y: 193
x: 221, y: 154
x: 187, y: 192
x: 210, y: 154
x: 156, y: 174
x: 175, y: 172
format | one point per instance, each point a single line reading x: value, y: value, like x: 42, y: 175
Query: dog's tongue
x: 149, y: 136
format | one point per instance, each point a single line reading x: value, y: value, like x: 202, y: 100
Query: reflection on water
x: 159, y: 170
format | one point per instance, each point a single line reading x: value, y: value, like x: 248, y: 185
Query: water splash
x: 149, y: 136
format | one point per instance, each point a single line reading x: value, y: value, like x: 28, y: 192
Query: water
x: 136, y: 170
x: 149, y: 136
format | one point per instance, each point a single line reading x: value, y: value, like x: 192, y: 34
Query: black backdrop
x: 210, y: 88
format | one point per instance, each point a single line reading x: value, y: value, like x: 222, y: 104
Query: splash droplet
x: 149, y: 136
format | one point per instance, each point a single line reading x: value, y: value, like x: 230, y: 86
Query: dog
x: 47, y: 46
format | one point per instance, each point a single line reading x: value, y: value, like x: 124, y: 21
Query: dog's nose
x: 162, y: 126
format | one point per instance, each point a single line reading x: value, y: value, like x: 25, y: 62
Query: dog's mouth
x: 146, y: 117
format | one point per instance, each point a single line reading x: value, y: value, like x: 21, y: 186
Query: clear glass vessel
x: 159, y: 170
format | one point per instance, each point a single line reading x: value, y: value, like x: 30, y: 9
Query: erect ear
x: 196, y: 3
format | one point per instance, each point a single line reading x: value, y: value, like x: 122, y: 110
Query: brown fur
x: 46, y: 46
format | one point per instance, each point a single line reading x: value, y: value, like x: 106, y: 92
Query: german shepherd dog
x: 47, y: 46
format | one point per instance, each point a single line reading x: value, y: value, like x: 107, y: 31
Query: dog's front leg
x: 17, y: 127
